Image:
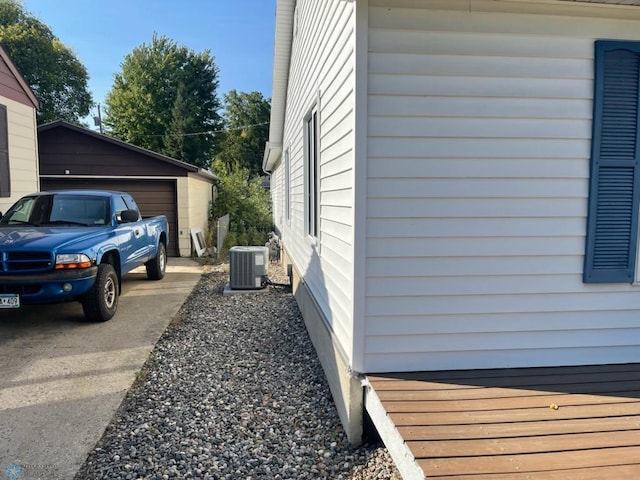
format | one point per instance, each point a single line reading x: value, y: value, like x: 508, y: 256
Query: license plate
x: 10, y: 300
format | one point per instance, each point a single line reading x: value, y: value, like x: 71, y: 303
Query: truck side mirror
x: 127, y: 216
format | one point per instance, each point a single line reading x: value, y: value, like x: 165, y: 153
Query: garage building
x: 75, y: 157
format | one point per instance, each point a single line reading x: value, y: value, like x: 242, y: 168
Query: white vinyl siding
x: 23, y: 155
x: 321, y: 76
x: 479, y: 138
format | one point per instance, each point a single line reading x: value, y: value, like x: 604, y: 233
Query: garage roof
x: 163, y: 158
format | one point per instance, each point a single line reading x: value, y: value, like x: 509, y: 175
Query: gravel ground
x: 232, y: 390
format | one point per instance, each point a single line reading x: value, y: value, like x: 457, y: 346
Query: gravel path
x: 233, y: 390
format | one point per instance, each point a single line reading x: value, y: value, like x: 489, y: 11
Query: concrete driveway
x: 62, y: 378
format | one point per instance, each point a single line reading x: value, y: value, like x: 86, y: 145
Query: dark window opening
x: 5, y: 174
x: 311, y: 173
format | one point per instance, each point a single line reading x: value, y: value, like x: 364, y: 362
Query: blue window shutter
x: 612, y: 223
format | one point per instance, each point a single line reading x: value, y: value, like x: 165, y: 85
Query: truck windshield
x: 59, y: 209
x: 78, y: 210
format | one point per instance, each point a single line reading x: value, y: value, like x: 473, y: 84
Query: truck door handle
x: 136, y: 233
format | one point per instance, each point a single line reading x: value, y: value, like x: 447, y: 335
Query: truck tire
x: 101, y: 302
x: 157, y: 266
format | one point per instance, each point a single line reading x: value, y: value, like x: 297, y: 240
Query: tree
x: 178, y: 143
x: 248, y: 205
x: 246, y: 124
x: 164, y: 99
x: 54, y: 73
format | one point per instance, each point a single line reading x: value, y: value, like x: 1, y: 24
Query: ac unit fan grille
x: 248, y: 267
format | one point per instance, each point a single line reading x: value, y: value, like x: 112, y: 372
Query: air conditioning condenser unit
x: 248, y: 267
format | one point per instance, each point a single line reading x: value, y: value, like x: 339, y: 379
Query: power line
x: 208, y: 132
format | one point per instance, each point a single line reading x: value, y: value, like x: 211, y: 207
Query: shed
x: 75, y: 157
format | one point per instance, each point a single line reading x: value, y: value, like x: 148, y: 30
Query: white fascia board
x: 615, y: 9
x: 281, y: 58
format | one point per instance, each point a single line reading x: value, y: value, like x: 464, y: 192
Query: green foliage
x: 239, y: 164
x: 178, y: 143
x: 52, y: 70
x: 246, y: 123
x: 165, y: 99
x: 249, y: 207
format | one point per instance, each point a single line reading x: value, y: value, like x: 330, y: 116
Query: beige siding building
x: 18, y: 137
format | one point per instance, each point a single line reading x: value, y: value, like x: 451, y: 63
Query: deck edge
x: 397, y: 447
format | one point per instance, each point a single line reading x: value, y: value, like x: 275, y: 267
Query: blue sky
x: 239, y: 34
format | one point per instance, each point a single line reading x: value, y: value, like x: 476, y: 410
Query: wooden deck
x: 561, y: 423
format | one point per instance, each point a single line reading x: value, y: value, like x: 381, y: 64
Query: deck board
x: 532, y: 382
x: 597, y: 473
x: 630, y: 388
x: 533, y: 463
x: 521, y: 415
x: 529, y: 444
x: 504, y: 424
x: 518, y: 429
x: 422, y: 403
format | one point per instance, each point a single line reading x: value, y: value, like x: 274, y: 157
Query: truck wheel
x: 101, y: 302
x: 157, y: 266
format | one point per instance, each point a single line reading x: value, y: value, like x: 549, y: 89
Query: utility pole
x: 97, y: 121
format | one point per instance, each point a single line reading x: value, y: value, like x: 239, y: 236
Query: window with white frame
x: 311, y: 164
x: 287, y: 186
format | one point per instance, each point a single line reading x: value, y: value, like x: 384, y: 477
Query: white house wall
x: 321, y: 73
x: 479, y: 132
x: 23, y: 160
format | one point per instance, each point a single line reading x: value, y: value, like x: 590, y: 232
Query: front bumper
x: 47, y: 287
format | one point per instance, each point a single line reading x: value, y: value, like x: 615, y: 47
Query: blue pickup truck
x: 76, y: 245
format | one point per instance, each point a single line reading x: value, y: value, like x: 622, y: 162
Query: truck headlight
x: 72, y: 260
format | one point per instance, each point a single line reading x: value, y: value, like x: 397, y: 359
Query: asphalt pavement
x: 62, y: 378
